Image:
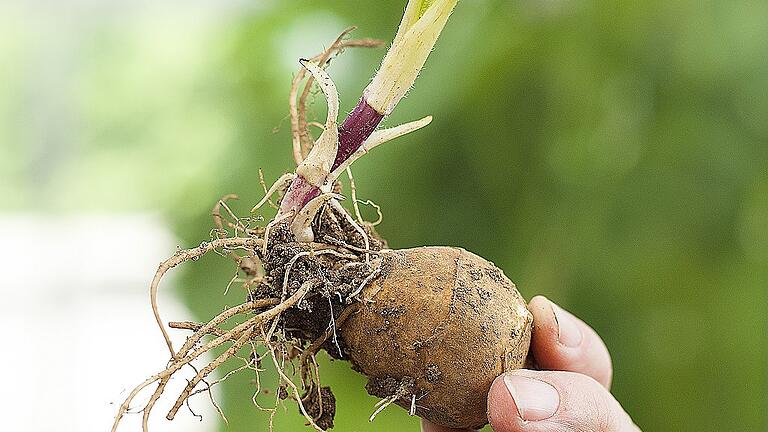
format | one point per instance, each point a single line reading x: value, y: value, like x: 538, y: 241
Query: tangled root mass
x: 298, y: 294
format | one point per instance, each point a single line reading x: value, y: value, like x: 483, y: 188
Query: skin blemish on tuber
x: 430, y: 327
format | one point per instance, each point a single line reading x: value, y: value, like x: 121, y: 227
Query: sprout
x: 422, y: 23
x: 338, y: 147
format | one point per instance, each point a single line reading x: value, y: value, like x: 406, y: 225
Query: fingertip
x: 544, y: 339
x: 503, y: 414
x: 544, y: 318
x: 539, y: 401
x: 539, y: 302
x: 561, y: 341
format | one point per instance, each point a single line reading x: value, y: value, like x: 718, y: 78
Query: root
x: 266, y: 191
x: 257, y: 381
x: 353, y: 192
x: 189, y: 325
x: 382, y: 405
x: 344, y: 245
x: 333, y: 326
x: 377, y: 138
x: 289, y: 266
x: 378, y: 211
x: 301, y: 226
x: 213, y: 402
x: 292, y: 385
x: 269, y: 227
x: 336, y: 205
x: 365, y: 282
x: 241, y: 333
x: 260, y: 316
x: 311, y: 253
x: 319, y: 388
x: 403, y: 390
x: 314, y: 347
x: 221, y: 318
x: 231, y: 351
x: 280, y: 183
x: 186, y: 255
x: 220, y: 221
x: 247, y: 365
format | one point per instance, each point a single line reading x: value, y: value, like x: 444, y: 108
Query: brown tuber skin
x: 436, y: 327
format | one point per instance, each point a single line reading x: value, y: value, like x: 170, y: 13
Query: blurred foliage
x: 611, y: 155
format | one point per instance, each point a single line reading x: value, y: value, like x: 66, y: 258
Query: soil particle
x: 475, y: 273
x: 282, y: 393
x: 391, y: 312
x: 322, y: 407
x: 484, y: 294
x: 382, y: 387
x: 433, y: 373
x: 334, y: 278
x: 334, y: 228
x: 461, y: 292
x: 484, y: 327
x: 388, y: 386
x: 495, y: 274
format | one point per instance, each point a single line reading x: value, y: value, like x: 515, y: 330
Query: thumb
x: 545, y: 401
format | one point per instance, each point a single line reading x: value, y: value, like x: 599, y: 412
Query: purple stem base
x: 299, y: 194
x: 357, y: 127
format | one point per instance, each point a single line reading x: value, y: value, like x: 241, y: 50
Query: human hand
x: 570, y: 394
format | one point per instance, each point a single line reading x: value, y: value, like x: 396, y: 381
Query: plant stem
x: 357, y: 127
x: 422, y: 23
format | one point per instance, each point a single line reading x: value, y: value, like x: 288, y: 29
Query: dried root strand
x: 279, y: 184
x: 220, y: 221
x: 194, y: 326
x: 314, y: 384
x: 208, y: 327
x: 353, y: 192
x: 186, y: 255
x: 377, y: 138
x: 382, y: 405
x: 402, y: 391
x: 337, y: 206
x: 204, y: 372
x: 355, y: 202
x: 296, y: 392
x: 262, y: 318
x: 240, y: 333
x: 264, y: 186
x: 314, y: 347
x: 365, y: 282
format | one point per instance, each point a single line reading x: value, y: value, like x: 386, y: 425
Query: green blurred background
x: 611, y: 155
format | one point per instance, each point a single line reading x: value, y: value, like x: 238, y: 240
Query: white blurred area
x: 76, y: 257
x: 78, y: 329
x: 108, y: 109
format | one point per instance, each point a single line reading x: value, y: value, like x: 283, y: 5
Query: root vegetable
x: 435, y: 329
x: 431, y: 327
